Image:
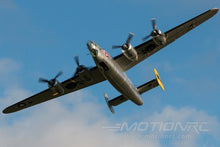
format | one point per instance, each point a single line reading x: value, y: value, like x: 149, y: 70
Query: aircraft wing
x: 149, y: 48
x: 91, y: 77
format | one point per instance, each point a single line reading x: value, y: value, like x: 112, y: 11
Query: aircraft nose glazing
x: 91, y: 45
x: 92, y: 48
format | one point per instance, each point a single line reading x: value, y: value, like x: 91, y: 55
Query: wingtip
x: 5, y: 111
x: 215, y: 9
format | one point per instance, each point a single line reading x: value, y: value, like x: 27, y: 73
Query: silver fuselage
x: 114, y: 73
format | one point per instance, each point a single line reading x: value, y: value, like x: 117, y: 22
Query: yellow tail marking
x: 158, y: 79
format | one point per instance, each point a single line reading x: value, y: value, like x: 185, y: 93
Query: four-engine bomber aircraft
x: 113, y: 69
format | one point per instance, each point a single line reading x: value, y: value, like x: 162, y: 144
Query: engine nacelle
x: 53, y: 84
x: 56, y: 89
x: 159, y: 39
x: 85, y: 75
x: 157, y: 36
x: 130, y: 53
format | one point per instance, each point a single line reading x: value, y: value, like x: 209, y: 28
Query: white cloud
x: 188, y: 114
x: 8, y: 66
x: 13, y: 95
x: 53, y: 124
x: 9, y: 70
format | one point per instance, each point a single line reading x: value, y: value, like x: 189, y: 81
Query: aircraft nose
x: 92, y: 48
x: 90, y: 44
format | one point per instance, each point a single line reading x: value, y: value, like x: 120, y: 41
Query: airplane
x: 114, y: 69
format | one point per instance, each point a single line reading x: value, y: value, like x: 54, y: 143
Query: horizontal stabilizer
x: 147, y: 86
x: 152, y: 84
x: 118, y: 100
x: 141, y: 89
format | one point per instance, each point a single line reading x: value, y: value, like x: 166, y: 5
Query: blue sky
x: 40, y: 38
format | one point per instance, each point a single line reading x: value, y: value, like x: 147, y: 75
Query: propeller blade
x: 153, y: 20
x: 60, y: 73
x: 42, y: 80
x: 129, y: 38
x: 116, y: 46
x: 145, y: 38
x: 76, y: 58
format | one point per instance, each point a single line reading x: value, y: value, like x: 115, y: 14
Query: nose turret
x: 91, y: 45
x: 93, y: 48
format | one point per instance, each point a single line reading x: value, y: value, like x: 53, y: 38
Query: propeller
x: 154, y: 32
x: 79, y: 67
x: 153, y: 21
x: 126, y: 45
x: 59, y: 74
x: 76, y: 58
x: 51, y: 82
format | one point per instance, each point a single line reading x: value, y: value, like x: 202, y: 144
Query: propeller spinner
x: 127, y: 49
x: 79, y: 68
x: 155, y: 31
x: 126, y: 45
x: 51, y: 82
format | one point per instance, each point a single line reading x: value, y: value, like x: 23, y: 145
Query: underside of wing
x: 80, y: 81
x: 150, y: 47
